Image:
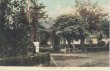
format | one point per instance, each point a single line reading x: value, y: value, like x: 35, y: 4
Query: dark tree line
x: 17, y: 33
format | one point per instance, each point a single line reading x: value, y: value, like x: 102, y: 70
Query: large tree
x: 105, y: 27
x: 71, y: 27
x: 16, y: 27
x: 92, y: 13
x: 37, y: 14
x: 5, y: 10
x: 44, y: 36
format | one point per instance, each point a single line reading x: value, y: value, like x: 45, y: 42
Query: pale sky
x: 57, y: 7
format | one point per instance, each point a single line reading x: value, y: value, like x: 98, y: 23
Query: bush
x: 101, y: 43
x: 45, y: 45
x: 43, y: 58
x: 39, y: 58
x: 14, y: 61
x: 46, y: 50
x: 86, y: 45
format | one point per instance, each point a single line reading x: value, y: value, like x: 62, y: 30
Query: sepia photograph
x: 54, y: 33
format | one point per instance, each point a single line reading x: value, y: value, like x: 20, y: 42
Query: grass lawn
x: 92, y: 59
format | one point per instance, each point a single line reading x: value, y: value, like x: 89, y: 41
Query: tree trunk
x: 69, y: 43
x: 82, y: 42
x: 100, y: 37
x: 56, y: 43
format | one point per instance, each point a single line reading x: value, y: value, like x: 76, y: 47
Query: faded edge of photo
x: 19, y: 68
x: 7, y: 68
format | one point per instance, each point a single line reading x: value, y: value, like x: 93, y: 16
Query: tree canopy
x: 15, y: 26
x: 71, y: 27
x: 105, y: 26
x: 91, y: 13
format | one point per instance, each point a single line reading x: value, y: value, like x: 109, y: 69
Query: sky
x: 55, y: 8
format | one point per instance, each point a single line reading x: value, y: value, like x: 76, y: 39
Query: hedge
x: 46, y: 49
x: 45, y: 45
x: 101, y: 43
x: 39, y: 58
x: 78, y: 45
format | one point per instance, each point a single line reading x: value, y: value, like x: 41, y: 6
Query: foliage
x: 105, y: 27
x: 46, y: 50
x: 39, y: 58
x: 65, y: 24
x: 16, y: 28
x: 19, y: 31
x: 100, y: 37
x: 43, y: 37
x: 71, y: 27
x: 92, y: 13
x: 5, y: 9
x: 55, y: 40
x: 37, y: 13
x: 66, y: 20
x: 69, y: 33
x: 101, y: 43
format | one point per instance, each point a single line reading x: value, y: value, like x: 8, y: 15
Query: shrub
x: 85, y: 45
x: 39, y: 58
x: 45, y: 45
x: 101, y: 43
x: 46, y: 50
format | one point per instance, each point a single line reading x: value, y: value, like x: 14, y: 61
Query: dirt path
x: 94, y: 59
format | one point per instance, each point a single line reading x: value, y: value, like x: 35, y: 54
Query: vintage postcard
x: 54, y: 35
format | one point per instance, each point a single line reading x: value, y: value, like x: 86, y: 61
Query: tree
x: 17, y: 30
x: 5, y: 10
x: 71, y: 27
x: 83, y: 33
x: 55, y: 40
x: 37, y: 14
x: 105, y: 26
x: 16, y: 27
x: 92, y: 14
x: 44, y: 36
x: 69, y: 33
